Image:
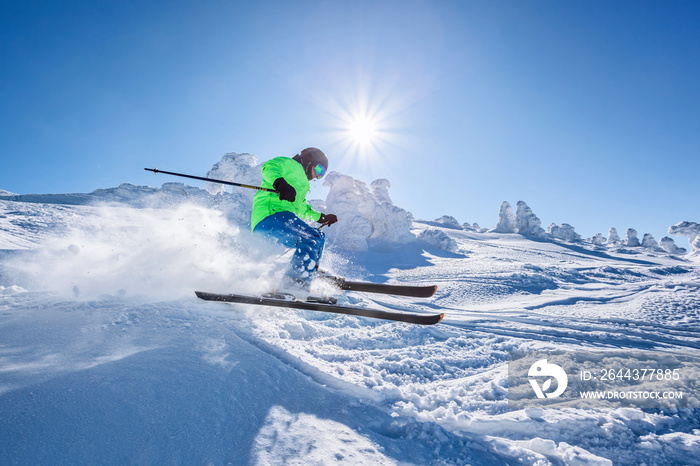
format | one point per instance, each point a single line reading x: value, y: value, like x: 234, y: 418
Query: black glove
x: 285, y: 190
x: 327, y: 219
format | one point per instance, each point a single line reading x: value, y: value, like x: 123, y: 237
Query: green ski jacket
x: 267, y: 203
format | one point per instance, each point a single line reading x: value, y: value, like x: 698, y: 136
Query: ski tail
x: 421, y: 319
x: 399, y: 290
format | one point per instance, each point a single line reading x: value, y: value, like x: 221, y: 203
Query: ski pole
x: 230, y: 183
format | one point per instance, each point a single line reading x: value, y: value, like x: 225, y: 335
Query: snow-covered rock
x: 506, y: 219
x: 527, y: 223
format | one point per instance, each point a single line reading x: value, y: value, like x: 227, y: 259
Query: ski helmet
x: 311, y: 157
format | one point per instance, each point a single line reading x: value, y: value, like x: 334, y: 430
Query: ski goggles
x: 320, y: 170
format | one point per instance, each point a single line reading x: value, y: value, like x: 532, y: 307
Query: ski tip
x: 442, y: 316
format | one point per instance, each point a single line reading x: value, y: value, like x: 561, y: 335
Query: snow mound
x: 568, y: 454
x: 439, y: 239
x: 11, y: 290
x: 365, y: 216
x: 286, y: 437
x: 447, y: 221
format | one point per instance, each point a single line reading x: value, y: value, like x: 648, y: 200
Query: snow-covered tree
x: 527, y: 223
x: 344, y: 198
x: 390, y: 223
x: 564, y: 231
x: 506, y: 219
x: 649, y: 242
x: 365, y: 215
x: 473, y: 227
x: 668, y: 245
x: 631, y: 240
x: 240, y: 168
x: 613, y: 237
x: 689, y: 229
x: 598, y: 239
x: 380, y: 190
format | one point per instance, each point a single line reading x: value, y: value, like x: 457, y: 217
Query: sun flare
x: 363, y: 130
x: 364, y: 135
x: 365, y: 123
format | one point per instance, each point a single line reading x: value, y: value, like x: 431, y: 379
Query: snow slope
x: 107, y: 358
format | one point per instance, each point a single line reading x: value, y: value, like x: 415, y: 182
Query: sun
x: 364, y: 123
x: 362, y: 130
x: 363, y: 134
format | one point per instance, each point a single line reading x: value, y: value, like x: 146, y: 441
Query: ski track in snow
x: 94, y: 369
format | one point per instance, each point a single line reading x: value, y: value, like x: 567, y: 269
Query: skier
x: 276, y: 215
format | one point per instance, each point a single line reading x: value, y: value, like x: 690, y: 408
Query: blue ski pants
x: 293, y: 232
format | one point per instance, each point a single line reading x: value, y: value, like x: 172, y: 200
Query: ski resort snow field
x: 107, y: 357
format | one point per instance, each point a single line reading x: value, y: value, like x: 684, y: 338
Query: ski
x: 421, y: 319
x: 381, y: 288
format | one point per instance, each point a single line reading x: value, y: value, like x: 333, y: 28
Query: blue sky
x: 588, y: 111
